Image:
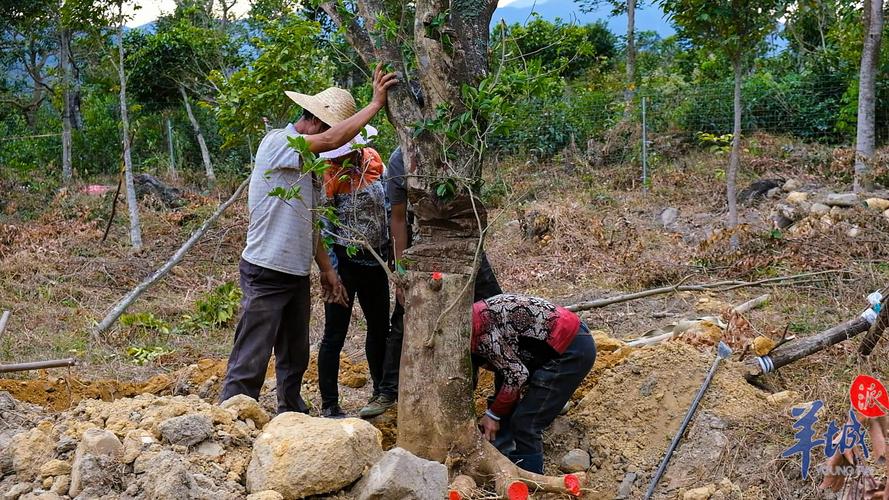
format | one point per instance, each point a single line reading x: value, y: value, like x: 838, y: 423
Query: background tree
x: 289, y: 58
x: 734, y: 29
x: 867, y: 81
x: 174, y: 63
x: 629, y: 8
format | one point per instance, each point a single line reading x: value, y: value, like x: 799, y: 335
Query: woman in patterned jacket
x: 354, y: 190
x: 540, y: 354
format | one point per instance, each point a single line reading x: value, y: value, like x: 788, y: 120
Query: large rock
x: 842, y: 199
x: 880, y: 204
x: 266, y: 495
x: 576, y: 460
x: 32, y: 449
x: 819, y: 209
x: 16, y: 491
x: 96, y: 463
x: 298, y: 455
x: 45, y: 495
x: 244, y: 407
x: 166, y: 477
x: 797, y: 197
x: 55, y: 468
x: 134, y: 443
x: 792, y: 185
x: 400, y: 474
x: 669, y: 216
x: 186, y: 430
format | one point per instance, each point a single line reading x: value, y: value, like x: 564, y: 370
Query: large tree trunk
x: 870, y: 62
x: 65, y: 74
x: 435, y: 411
x: 631, y: 51
x: 735, y: 157
x: 205, y: 153
x: 132, y: 204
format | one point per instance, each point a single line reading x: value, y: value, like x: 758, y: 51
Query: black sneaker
x: 377, y: 406
x: 333, y: 412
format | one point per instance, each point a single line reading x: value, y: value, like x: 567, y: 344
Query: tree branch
x: 357, y: 36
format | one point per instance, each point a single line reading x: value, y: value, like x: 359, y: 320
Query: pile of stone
x: 827, y: 207
x: 181, y: 447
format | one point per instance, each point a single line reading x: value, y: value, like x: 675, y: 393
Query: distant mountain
x: 650, y: 18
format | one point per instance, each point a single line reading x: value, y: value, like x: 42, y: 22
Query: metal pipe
x: 38, y: 365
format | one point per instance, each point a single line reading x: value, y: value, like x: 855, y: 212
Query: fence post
x: 644, y: 146
x: 170, y: 145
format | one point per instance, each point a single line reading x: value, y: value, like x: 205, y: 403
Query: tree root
x: 488, y: 465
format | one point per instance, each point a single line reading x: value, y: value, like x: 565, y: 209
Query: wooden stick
x: 874, y: 333
x: 805, y: 346
x: 177, y: 257
x: 3, y: 320
x: 716, y: 286
x: 751, y: 304
x: 38, y: 365
x: 113, y: 205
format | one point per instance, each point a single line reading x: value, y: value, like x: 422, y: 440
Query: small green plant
x: 142, y: 355
x: 715, y: 143
x: 216, y: 309
x: 146, y: 321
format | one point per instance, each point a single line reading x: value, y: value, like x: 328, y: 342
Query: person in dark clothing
x: 355, y: 191
x: 486, y: 284
x: 540, y: 354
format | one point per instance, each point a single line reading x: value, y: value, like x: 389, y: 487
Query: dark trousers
x: 548, y: 389
x: 486, y: 286
x: 275, y: 317
x: 371, y: 285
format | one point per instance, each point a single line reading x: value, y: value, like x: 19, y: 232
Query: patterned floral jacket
x: 515, y: 334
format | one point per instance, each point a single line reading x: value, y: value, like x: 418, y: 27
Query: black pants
x: 371, y: 285
x: 275, y: 317
x: 486, y: 286
x: 548, y: 389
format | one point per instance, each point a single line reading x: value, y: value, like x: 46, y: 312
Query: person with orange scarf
x: 356, y: 230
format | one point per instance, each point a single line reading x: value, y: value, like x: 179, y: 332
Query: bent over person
x: 540, y: 354
x: 282, y: 242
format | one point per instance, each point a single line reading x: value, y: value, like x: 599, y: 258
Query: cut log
x: 804, y: 347
x: 177, y: 257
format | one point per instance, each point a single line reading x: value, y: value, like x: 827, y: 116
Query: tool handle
x: 691, y: 411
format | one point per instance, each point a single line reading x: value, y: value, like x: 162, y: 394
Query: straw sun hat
x: 331, y: 105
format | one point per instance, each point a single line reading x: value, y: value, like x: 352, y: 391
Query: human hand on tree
x: 489, y: 427
x: 381, y: 83
x: 332, y: 289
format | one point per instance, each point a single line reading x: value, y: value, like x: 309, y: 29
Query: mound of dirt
x: 631, y: 412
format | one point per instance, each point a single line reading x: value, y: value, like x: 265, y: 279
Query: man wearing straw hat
x: 282, y: 242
